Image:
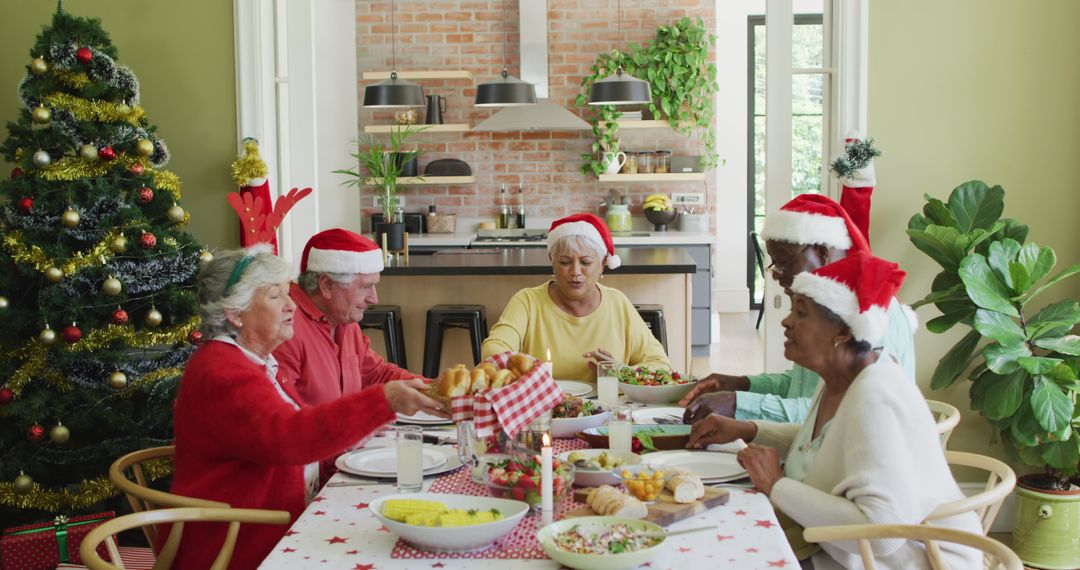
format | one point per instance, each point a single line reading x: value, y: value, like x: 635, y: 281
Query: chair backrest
x: 128, y: 475
x: 947, y: 416
x: 986, y: 504
x: 997, y: 554
x: 105, y: 532
x: 759, y: 258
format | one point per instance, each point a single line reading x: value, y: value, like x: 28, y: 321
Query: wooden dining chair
x: 997, y: 554
x: 986, y: 504
x: 128, y: 474
x: 105, y: 533
x: 946, y: 416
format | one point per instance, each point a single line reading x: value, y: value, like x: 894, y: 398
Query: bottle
x: 504, y: 210
x: 521, y: 208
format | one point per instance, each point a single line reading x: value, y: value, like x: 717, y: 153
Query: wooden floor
x: 737, y: 347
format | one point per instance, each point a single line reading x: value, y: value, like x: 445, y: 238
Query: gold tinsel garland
x: 165, y: 180
x: 33, y: 255
x: 88, y: 492
x: 156, y: 375
x: 73, y: 79
x: 70, y: 168
x: 248, y: 166
x: 35, y: 367
x: 92, y: 111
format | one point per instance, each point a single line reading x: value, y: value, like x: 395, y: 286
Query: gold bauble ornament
x: 175, y: 214
x: 205, y: 256
x: 88, y: 152
x: 123, y: 109
x: 112, y: 286
x: 59, y: 434
x: 117, y: 380
x: 41, y: 115
x: 47, y: 336
x: 3, y: 302
x: 118, y: 244
x: 22, y: 484
x: 41, y: 158
x: 153, y: 318
x: 38, y: 66
x: 144, y: 147
x: 54, y: 274
x: 70, y: 218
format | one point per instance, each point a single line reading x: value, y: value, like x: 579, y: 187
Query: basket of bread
x: 508, y: 391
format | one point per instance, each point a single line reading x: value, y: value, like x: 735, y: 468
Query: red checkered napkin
x: 511, y: 407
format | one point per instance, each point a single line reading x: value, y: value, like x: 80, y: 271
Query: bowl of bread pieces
x: 460, y: 380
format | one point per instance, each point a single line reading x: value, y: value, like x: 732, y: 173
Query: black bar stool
x: 387, y: 318
x: 653, y: 315
x: 440, y: 317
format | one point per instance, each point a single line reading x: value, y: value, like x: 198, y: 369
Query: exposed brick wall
x: 468, y: 34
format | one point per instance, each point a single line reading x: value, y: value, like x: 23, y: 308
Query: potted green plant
x: 1023, y: 363
x: 683, y: 83
x: 382, y: 166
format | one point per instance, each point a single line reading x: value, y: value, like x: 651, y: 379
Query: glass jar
x: 631, y: 164
x: 618, y: 216
x: 662, y: 162
x: 645, y: 163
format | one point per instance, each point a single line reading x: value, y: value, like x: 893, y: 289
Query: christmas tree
x: 96, y: 278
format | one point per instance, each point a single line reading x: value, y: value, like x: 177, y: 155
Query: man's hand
x: 720, y: 429
x: 763, y: 466
x: 722, y: 403
x: 715, y: 383
x: 407, y: 397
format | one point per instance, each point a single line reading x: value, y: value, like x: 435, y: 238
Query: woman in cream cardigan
x: 868, y: 451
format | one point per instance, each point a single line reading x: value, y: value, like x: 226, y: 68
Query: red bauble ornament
x: 6, y: 396
x: 84, y: 55
x: 119, y: 317
x: 146, y: 195
x: 195, y: 337
x: 25, y: 204
x: 148, y: 240
x: 16, y: 172
x: 72, y: 334
x: 137, y: 169
x: 106, y: 153
x: 35, y: 432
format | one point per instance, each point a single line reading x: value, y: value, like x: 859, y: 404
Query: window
x: 810, y: 123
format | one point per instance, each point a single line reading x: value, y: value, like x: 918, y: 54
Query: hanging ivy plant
x: 683, y: 82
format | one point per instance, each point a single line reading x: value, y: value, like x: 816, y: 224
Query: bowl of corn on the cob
x: 448, y: 523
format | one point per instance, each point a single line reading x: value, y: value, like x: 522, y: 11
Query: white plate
x: 711, y: 466
x: 382, y: 461
x: 649, y: 415
x: 567, y: 427
x: 575, y: 388
x: 423, y: 419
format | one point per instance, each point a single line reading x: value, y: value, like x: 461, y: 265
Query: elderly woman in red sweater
x: 244, y: 438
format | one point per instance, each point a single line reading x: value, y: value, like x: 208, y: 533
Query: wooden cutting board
x: 664, y: 510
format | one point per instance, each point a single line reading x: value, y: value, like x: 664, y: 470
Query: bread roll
x: 501, y: 378
x: 479, y: 380
x: 455, y: 381
x: 520, y: 364
x: 488, y: 369
x: 685, y: 486
x: 608, y: 501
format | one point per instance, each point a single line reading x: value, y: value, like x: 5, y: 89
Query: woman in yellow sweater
x: 581, y: 321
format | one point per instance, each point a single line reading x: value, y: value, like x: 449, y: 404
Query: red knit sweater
x: 239, y: 442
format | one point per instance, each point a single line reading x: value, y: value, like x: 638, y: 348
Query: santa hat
x: 856, y: 171
x: 858, y: 289
x: 588, y: 226
x: 813, y: 219
x: 341, y: 251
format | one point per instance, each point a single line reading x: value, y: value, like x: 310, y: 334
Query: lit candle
x: 549, y: 364
x: 547, y: 493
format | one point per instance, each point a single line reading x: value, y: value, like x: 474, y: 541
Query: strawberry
x: 527, y: 482
x: 636, y: 445
x: 517, y: 493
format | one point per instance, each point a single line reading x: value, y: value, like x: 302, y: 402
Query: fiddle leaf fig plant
x: 1024, y: 379
x: 683, y: 83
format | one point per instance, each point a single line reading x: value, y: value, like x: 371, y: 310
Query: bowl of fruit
x: 520, y: 479
x: 574, y: 414
x: 592, y: 467
x: 659, y: 211
x: 642, y: 481
x: 653, y: 386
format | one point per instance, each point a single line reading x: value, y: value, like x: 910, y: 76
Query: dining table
x: 338, y: 530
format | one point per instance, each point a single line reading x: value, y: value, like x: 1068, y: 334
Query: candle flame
x: 549, y: 355
x: 546, y: 439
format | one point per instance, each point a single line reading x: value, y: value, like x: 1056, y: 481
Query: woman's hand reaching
x: 720, y: 429
x: 407, y: 397
x: 600, y: 356
x: 763, y: 466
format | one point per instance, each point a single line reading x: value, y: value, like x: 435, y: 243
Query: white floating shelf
x: 417, y: 75
x: 428, y: 181
x: 444, y: 128
x: 637, y: 124
x: 662, y: 177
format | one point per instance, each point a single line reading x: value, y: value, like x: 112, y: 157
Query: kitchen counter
x: 534, y: 261
x: 464, y: 239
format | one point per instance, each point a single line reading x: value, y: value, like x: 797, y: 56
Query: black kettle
x: 436, y: 106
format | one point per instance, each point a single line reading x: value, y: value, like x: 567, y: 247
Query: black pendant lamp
x: 621, y: 88
x: 393, y: 92
x: 507, y: 91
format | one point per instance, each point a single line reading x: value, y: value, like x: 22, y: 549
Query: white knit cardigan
x: 880, y: 462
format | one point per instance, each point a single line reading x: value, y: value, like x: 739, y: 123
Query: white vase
x: 613, y: 162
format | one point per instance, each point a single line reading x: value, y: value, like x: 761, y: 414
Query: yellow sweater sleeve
x: 509, y: 332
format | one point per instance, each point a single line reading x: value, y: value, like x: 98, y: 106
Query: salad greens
x: 642, y: 376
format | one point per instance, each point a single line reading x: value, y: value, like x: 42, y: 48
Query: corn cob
x: 400, y: 509
x: 424, y: 519
x: 462, y: 517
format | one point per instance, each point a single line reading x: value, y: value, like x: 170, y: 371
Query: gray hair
x: 576, y: 245
x: 264, y: 270
x: 309, y: 280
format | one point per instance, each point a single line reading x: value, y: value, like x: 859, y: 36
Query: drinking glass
x: 607, y: 384
x: 620, y: 429
x: 410, y: 459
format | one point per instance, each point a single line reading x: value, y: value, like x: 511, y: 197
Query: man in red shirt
x: 328, y: 356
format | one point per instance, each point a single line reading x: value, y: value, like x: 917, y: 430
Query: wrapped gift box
x: 42, y: 546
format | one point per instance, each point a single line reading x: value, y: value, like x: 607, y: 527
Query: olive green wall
x: 974, y: 89
x: 182, y: 54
